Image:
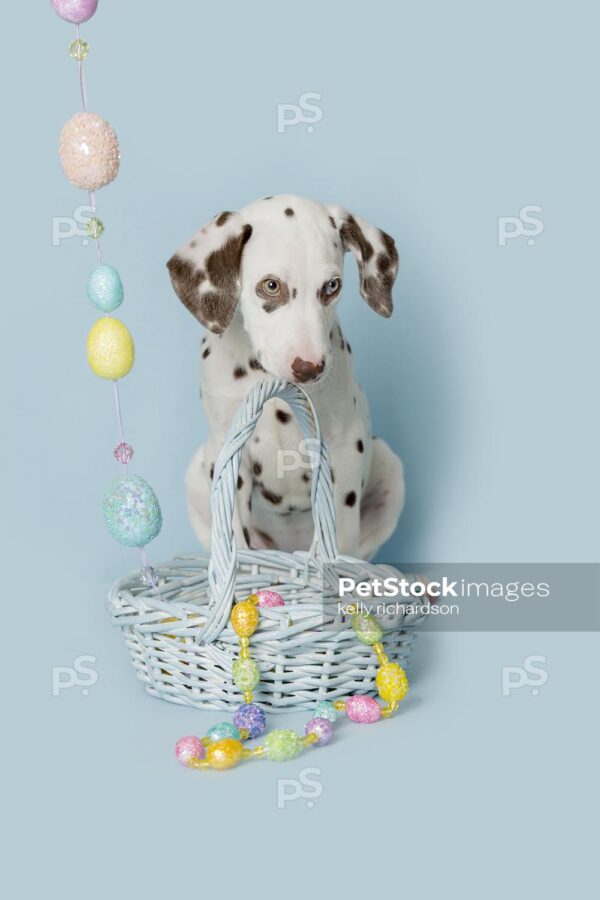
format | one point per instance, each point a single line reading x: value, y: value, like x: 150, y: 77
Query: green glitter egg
x: 246, y: 674
x: 366, y: 628
x: 282, y: 744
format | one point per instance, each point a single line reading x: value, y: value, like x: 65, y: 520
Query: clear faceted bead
x: 149, y: 576
x: 123, y: 453
x: 79, y: 49
x: 94, y: 227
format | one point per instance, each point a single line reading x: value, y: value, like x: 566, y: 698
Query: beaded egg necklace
x: 223, y: 745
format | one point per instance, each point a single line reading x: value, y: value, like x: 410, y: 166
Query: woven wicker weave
x: 178, y: 634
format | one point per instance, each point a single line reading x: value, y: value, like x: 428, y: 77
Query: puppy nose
x: 303, y: 370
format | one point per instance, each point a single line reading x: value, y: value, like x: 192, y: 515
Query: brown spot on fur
x: 273, y: 303
x: 375, y: 288
x: 390, y: 246
x: 378, y: 296
x: 257, y: 468
x: 332, y: 222
x: 222, y: 218
x: 254, y: 364
x: 214, y: 307
x: 360, y: 446
x: 306, y: 476
x: 212, y: 471
x: 283, y: 416
x: 273, y: 498
x: 239, y: 372
x: 206, y: 352
x: 289, y: 212
x: 352, y: 236
x: 294, y: 292
x: 186, y: 280
x: 350, y: 498
x: 326, y: 298
x: 193, y: 244
x: 266, y: 539
x: 240, y: 483
x: 246, y: 535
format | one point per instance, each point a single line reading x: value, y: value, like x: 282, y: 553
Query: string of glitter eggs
x: 223, y: 745
x: 90, y: 157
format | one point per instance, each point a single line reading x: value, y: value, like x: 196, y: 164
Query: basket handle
x: 222, y: 564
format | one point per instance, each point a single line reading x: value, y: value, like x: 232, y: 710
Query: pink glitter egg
x: 188, y: 748
x: 89, y: 151
x: 76, y: 11
x: 269, y: 599
x: 363, y: 709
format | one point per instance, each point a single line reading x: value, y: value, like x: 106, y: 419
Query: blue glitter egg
x: 325, y: 710
x: 132, y: 511
x: 251, y: 717
x: 223, y: 730
x: 105, y: 288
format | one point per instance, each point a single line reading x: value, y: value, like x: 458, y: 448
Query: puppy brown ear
x: 376, y: 255
x: 205, y: 272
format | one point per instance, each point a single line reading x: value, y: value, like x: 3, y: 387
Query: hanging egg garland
x: 89, y: 151
x: 90, y: 156
x: 75, y: 11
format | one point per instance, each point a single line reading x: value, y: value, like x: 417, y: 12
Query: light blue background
x: 437, y: 119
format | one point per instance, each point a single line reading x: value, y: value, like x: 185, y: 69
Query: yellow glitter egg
x: 391, y: 682
x: 244, y: 618
x: 224, y: 754
x: 110, y: 350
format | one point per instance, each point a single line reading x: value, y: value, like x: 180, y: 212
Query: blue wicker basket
x: 178, y: 634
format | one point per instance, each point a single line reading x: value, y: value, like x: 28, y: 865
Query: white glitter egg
x: 89, y: 151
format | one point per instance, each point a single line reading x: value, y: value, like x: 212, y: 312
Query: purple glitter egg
x: 76, y: 11
x: 251, y: 717
x: 363, y: 709
x: 322, y: 728
x: 188, y: 748
x: 269, y: 599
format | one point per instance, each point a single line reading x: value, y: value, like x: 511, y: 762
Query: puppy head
x: 279, y: 261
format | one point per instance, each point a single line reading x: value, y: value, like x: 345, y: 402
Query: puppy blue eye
x: 332, y: 286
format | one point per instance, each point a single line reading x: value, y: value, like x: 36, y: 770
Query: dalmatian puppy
x: 266, y: 282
